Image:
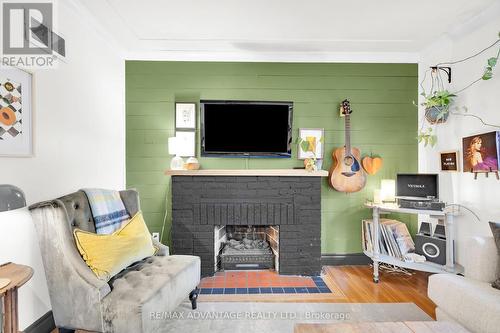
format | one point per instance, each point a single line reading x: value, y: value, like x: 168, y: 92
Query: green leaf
x: 433, y: 140
x: 487, y: 75
x: 492, y: 62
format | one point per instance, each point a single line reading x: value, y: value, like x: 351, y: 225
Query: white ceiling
x: 283, y: 29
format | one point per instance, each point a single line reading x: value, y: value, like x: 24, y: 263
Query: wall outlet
x: 156, y: 236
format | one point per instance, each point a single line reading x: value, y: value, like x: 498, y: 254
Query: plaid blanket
x: 107, y: 208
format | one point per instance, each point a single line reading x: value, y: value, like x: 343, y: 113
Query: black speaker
x: 432, y: 248
x: 425, y: 229
x: 440, y: 231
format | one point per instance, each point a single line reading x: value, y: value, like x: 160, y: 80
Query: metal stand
x: 376, y: 245
x: 377, y: 258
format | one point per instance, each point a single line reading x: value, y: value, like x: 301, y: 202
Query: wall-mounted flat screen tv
x: 246, y: 129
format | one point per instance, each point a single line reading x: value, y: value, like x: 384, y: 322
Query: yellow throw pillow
x: 107, y: 255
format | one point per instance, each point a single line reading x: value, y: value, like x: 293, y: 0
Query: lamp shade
x: 173, y: 145
x: 11, y: 198
x: 388, y: 190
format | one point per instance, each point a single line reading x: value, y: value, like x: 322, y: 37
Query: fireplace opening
x: 246, y: 247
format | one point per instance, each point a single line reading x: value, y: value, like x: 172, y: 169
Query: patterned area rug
x: 249, y: 317
x: 243, y: 283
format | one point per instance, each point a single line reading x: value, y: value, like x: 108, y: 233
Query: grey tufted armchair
x: 124, y: 304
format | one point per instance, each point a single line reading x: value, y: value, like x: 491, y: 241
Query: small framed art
x: 185, y: 116
x: 16, y: 118
x: 314, y: 138
x: 449, y: 161
x: 187, y: 143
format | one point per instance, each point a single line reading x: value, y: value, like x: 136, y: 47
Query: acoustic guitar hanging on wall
x: 346, y: 174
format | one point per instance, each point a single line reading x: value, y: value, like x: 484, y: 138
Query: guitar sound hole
x: 348, y: 160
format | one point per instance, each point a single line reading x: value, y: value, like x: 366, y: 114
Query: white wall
x: 79, y: 136
x: 18, y: 243
x: 483, y: 99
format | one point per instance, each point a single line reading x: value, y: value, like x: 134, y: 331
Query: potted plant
x: 437, y: 106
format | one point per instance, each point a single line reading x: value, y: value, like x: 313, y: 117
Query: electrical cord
x: 469, y: 57
x: 468, y: 209
x: 165, y: 218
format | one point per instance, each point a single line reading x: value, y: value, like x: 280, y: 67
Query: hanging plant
x: 437, y: 106
x: 438, y: 102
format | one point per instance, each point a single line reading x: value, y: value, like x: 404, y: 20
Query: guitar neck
x: 347, y: 134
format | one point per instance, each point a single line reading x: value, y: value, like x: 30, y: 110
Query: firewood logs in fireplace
x: 247, y: 244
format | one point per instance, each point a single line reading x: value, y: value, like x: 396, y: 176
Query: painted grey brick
x: 292, y: 203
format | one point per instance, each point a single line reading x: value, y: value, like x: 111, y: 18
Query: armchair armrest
x: 481, y: 259
x: 73, y: 288
x: 162, y: 249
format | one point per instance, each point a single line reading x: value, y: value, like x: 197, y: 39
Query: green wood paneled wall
x: 384, y: 123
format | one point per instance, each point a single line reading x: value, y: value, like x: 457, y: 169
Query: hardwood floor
x: 356, y: 284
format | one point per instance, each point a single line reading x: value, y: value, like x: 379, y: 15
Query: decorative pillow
x: 107, y: 255
x: 495, y: 228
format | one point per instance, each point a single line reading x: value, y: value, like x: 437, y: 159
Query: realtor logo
x: 27, y: 36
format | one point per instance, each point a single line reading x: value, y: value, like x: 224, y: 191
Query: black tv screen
x: 246, y: 129
x: 417, y: 186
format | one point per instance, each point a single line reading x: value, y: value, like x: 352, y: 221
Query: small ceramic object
x: 192, y: 164
x: 309, y: 164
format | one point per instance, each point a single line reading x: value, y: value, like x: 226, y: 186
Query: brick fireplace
x: 203, y: 205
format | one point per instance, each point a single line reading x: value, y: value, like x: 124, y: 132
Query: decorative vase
x: 432, y: 114
x: 192, y: 164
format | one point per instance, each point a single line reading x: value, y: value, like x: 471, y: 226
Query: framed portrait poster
x: 185, y: 115
x: 449, y: 161
x: 482, y: 152
x: 16, y: 118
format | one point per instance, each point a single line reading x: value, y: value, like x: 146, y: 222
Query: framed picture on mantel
x: 314, y: 136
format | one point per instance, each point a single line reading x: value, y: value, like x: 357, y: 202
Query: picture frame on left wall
x: 16, y: 114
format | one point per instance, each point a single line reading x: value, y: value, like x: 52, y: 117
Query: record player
x: 418, y: 191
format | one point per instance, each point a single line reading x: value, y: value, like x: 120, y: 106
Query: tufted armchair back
x: 78, y: 208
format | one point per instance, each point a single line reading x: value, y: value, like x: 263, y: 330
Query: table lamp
x: 177, y: 162
x: 388, y: 190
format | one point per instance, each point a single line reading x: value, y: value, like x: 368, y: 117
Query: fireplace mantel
x: 248, y: 172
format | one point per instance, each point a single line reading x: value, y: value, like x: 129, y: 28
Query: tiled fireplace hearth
x: 201, y: 205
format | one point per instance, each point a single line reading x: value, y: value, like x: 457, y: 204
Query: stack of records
x: 394, y: 238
